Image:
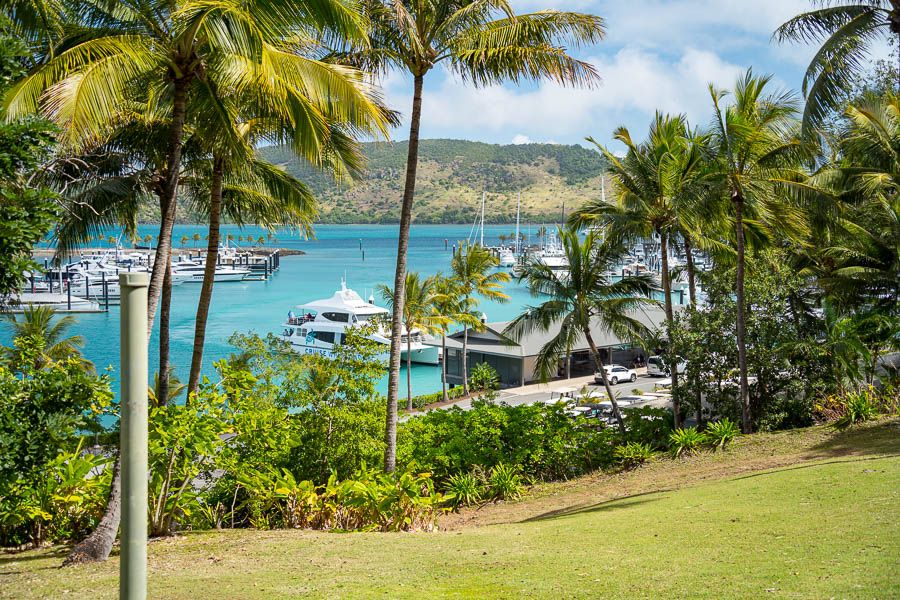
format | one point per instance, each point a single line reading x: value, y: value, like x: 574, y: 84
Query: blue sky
x: 658, y: 54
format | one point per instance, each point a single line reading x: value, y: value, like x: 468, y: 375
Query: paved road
x: 531, y: 394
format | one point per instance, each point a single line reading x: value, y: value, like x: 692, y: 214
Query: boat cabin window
x: 338, y: 317
x: 325, y: 336
x: 288, y: 332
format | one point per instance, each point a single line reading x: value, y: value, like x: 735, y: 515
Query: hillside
x: 451, y: 177
x: 807, y: 513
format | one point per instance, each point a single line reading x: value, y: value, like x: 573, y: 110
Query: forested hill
x: 451, y: 176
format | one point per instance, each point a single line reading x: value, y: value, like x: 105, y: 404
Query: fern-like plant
x: 633, y: 454
x: 720, y: 433
x: 685, y: 440
x: 463, y: 489
x: 859, y: 407
x: 505, y: 482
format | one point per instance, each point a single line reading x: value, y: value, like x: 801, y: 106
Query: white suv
x: 615, y: 374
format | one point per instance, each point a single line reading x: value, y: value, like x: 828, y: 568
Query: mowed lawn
x: 827, y: 525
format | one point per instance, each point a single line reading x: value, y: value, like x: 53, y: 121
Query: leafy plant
x: 484, y: 378
x: 633, y: 454
x: 463, y: 489
x: 505, y: 482
x: 719, y: 433
x: 685, y: 441
x: 859, y: 407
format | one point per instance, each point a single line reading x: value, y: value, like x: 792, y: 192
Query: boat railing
x: 302, y: 319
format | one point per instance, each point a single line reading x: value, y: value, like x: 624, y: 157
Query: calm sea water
x: 260, y: 306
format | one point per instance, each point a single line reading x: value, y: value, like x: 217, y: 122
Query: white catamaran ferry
x: 321, y: 325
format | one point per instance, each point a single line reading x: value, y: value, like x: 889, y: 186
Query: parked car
x: 656, y: 365
x: 615, y: 374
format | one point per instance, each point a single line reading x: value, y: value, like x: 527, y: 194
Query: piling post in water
x: 133, y: 435
x: 105, y: 290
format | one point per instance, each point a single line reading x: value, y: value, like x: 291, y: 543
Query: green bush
x: 369, y: 501
x: 426, y: 399
x: 859, y: 407
x: 505, y: 482
x: 633, y: 454
x: 648, y: 425
x: 484, y: 378
x: 720, y: 433
x: 541, y: 439
x: 463, y: 489
x: 685, y: 441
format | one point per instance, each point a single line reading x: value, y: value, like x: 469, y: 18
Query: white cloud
x: 636, y: 83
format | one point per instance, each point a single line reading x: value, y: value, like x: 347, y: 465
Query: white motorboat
x: 194, y: 272
x: 56, y: 301
x: 322, y: 324
x: 507, y: 258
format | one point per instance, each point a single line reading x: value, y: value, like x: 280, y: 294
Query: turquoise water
x: 260, y: 306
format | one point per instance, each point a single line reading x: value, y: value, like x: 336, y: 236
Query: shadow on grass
x: 881, y: 438
x: 56, y: 554
x: 622, y: 502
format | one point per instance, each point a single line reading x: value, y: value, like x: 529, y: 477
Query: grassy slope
x: 824, y: 523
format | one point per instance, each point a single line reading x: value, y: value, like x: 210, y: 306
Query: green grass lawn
x: 815, y: 529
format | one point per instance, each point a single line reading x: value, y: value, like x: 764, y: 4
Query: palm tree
x: 846, y: 30
x: 586, y: 299
x: 184, y: 240
x: 48, y: 334
x: 148, y: 238
x: 418, y: 316
x: 474, y: 275
x: 754, y: 145
x: 196, y: 238
x: 450, y: 307
x: 485, y: 43
x: 178, y: 55
x: 654, y: 186
x: 173, y: 61
x: 174, y: 387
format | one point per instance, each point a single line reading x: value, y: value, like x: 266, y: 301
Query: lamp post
x: 133, y: 435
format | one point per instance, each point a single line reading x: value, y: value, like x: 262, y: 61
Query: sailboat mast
x: 482, y: 218
x: 518, y: 212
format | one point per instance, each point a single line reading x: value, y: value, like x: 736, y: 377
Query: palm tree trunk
x: 165, y: 313
x: 740, y: 323
x: 409, y: 191
x: 670, y: 323
x: 409, y: 405
x: 444, y: 365
x: 691, y: 273
x: 97, y: 546
x: 168, y: 199
x: 465, y: 360
x: 209, y: 274
x: 609, y: 392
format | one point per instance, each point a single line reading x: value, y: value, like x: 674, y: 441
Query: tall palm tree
x: 654, y: 186
x: 450, y: 307
x: 168, y: 53
x: 174, y: 57
x: 474, y: 274
x: 39, y: 323
x: 754, y: 144
x: 587, y: 299
x: 418, y: 316
x: 846, y: 30
x: 485, y: 43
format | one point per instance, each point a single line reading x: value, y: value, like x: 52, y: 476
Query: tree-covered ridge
x: 452, y: 174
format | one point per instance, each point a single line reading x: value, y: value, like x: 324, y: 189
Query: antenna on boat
x: 482, y: 217
x: 518, y: 212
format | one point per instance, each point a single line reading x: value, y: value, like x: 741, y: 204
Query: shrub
x: 484, y: 378
x: 369, y: 501
x: 648, y: 425
x: 685, y: 441
x: 463, y: 489
x: 719, y: 433
x: 505, y: 482
x: 858, y: 408
x: 426, y: 399
x: 633, y: 454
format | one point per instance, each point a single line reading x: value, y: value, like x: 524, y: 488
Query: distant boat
x: 58, y: 302
x: 195, y: 271
x: 322, y: 324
